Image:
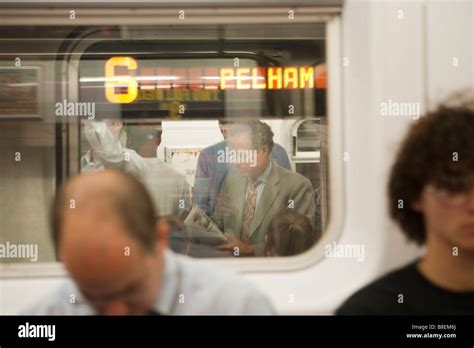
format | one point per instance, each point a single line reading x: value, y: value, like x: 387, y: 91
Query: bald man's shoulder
x: 65, y: 300
x: 188, y: 287
x: 208, y: 289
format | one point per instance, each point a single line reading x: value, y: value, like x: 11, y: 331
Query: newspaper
x: 203, y: 229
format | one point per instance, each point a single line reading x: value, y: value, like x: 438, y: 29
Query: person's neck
x: 443, y: 268
x: 148, y: 155
x: 147, y: 152
x: 260, y: 172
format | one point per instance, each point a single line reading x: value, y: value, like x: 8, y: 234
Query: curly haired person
x: 433, y: 176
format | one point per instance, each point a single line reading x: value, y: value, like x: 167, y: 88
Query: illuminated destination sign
x: 126, y: 81
x: 267, y: 78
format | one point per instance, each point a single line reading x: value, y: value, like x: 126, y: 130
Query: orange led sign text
x: 126, y: 82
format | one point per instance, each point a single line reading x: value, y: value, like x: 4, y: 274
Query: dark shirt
x: 420, y: 297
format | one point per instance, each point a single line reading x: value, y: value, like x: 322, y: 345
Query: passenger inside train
x: 431, y: 197
x: 255, y: 191
x: 289, y: 233
x: 162, y: 181
x: 246, y: 163
x: 210, y: 171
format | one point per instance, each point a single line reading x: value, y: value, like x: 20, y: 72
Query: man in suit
x: 256, y: 189
x: 210, y: 173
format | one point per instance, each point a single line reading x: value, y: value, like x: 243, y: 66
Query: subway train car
x: 86, y: 85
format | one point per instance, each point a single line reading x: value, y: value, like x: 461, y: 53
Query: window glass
x: 224, y: 125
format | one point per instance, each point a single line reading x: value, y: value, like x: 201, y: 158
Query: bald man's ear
x: 162, y: 232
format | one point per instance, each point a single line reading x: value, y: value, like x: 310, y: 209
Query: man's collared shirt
x: 187, y: 287
x: 262, y: 180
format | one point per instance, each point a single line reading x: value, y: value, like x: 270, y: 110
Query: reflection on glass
x: 226, y: 195
x: 170, y: 106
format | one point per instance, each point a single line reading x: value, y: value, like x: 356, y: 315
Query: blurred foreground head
x: 431, y: 186
x: 107, y: 236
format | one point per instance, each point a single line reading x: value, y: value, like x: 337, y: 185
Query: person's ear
x: 162, y: 232
x: 265, y: 150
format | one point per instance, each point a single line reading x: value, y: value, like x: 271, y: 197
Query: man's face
x: 115, y: 275
x: 449, y: 216
x: 257, y: 160
x: 133, y: 294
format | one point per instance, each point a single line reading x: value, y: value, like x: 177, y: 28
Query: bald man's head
x: 113, y: 194
x: 107, y: 236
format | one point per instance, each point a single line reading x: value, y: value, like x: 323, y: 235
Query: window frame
x: 332, y: 18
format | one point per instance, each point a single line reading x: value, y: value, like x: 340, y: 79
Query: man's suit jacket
x: 210, y: 174
x: 283, y: 189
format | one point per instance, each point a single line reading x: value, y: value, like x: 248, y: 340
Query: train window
x: 225, y: 126
x: 308, y: 138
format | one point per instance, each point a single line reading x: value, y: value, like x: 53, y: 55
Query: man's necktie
x: 249, y: 210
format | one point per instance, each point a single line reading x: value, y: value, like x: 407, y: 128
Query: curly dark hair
x: 438, y: 150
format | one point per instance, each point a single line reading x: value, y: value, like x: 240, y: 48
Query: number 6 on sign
x: 112, y: 81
